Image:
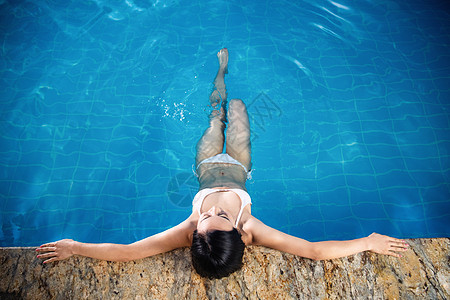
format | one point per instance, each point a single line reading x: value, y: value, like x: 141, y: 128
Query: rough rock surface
x: 422, y: 273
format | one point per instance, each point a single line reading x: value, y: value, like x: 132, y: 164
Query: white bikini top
x: 201, y: 195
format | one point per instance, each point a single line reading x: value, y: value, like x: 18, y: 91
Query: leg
x: 212, y: 141
x: 238, y: 143
x: 219, y: 94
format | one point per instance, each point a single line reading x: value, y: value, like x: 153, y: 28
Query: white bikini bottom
x: 222, y: 158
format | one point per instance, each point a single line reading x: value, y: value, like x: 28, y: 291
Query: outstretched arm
x: 175, y: 237
x: 266, y: 236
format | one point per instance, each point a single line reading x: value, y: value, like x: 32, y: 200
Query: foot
x: 222, y: 55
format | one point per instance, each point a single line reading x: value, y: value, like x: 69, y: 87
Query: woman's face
x: 215, y: 219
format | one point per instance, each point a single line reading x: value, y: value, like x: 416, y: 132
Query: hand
x: 56, y: 251
x: 383, y: 244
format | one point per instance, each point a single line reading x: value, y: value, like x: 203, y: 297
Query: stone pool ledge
x: 423, y: 273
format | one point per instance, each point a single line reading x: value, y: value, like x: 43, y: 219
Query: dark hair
x: 217, y: 253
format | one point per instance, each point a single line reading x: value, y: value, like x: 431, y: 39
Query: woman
x: 221, y: 223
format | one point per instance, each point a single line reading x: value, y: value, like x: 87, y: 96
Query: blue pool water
x: 102, y: 103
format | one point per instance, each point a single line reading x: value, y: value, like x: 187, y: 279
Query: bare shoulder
x: 179, y: 235
x: 251, y: 228
x: 188, y: 226
x: 264, y: 235
x: 176, y: 237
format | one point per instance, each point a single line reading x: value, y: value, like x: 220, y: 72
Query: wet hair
x: 217, y: 253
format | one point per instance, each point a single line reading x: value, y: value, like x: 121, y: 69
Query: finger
x: 46, y: 255
x: 401, y: 248
x: 46, y: 249
x: 395, y: 245
x: 397, y: 249
x: 400, y: 242
x: 400, y: 245
x: 48, y: 245
x: 51, y: 260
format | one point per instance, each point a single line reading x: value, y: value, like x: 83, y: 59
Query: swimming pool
x: 102, y: 103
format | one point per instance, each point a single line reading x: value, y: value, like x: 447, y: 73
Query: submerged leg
x: 238, y: 143
x: 219, y: 94
x: 212, y: 141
